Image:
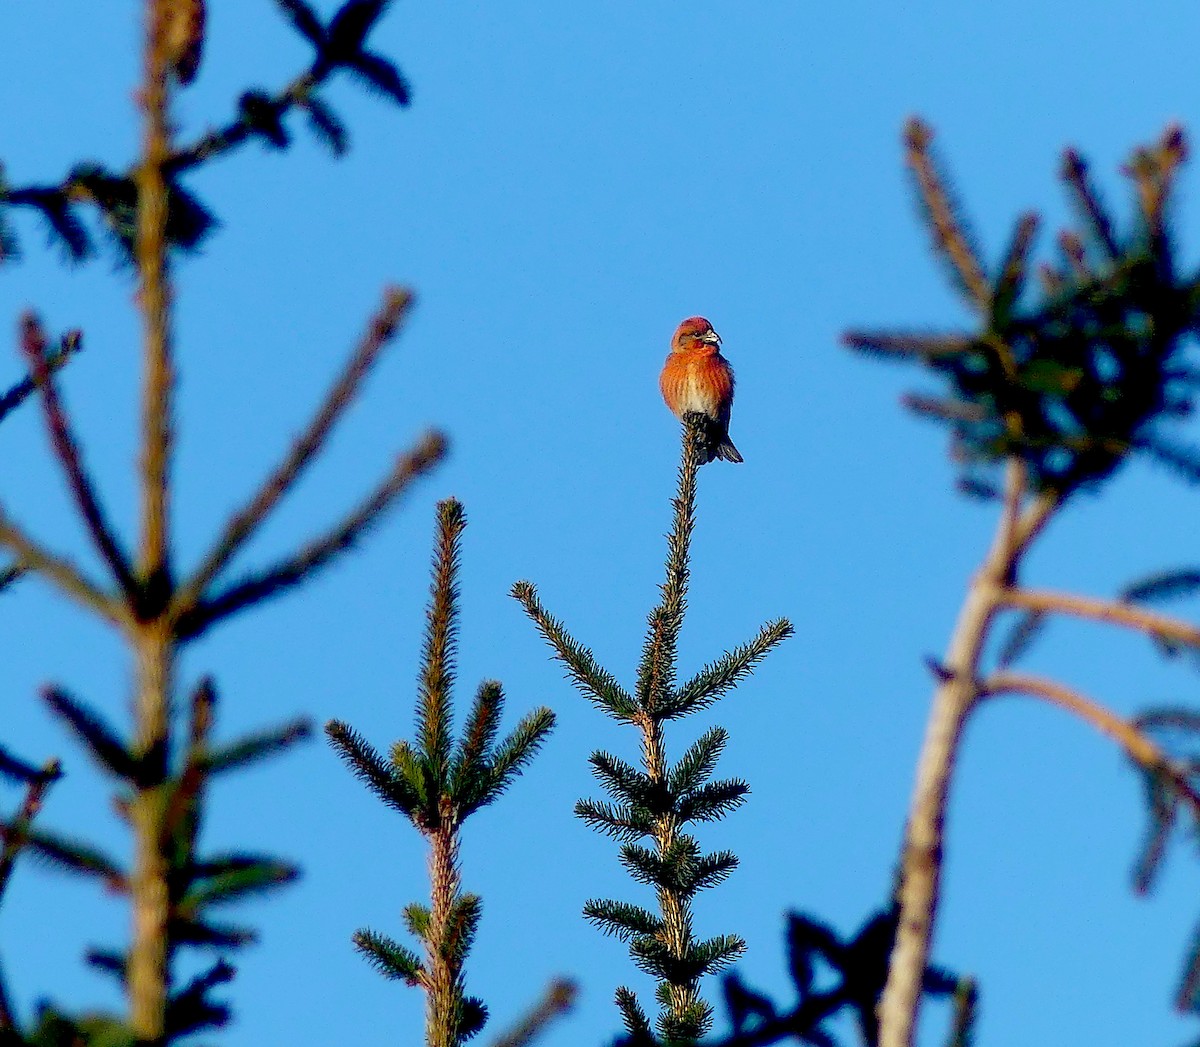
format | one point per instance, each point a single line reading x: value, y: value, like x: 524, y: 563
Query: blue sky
x: 570, y: 182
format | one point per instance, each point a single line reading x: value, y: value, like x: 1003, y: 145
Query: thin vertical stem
x: 444, y: 993
x: 154, y: 298
x: 150, y: 951
x: 152, y: 639
x: 921, y: 858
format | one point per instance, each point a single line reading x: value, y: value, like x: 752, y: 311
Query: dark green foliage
x: 654, y: 802
x: 1024, y: 632
x: 858, y: 966
x: 197, y: 883
x: 1172, y: 796
x: 966, y: 1004
x: 388, y: 957
x: 439, y: 780
x: 260, y: 115
x: 109, y: 750
x: 16, y: 770
x: 255, y: 747
x: 1079, y: 376
x: 1165, y: 585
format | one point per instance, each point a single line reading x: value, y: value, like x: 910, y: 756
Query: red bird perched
x: 697, y: 379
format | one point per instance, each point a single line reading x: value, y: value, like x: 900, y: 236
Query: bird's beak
x: 712, y: 338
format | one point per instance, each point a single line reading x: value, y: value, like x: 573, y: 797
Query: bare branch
x: 61, y: 572
x: 557, y: 1000
x: 15, y: 833
x: 1160, y: 626
x: 66, y: 449
x: 921, y: 859
x: 245, y: 522
x: 1137, y: 745
x: 273, y: 581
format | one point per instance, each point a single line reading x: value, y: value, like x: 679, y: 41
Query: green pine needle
x: 715, y: 681
x: 389, y: 958
x: 598, y: 685
x: 436, y: 680
x: 616, y: 820
x: 621, y: 920
x: 711, y: 802
x: 624, y: 782
x: 367, y: 765
x: 697, y: 764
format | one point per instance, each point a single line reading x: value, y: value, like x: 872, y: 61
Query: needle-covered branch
x: 66, y: 450
x: 319, y: 552
x: 655, y: 801
x: 384, y: 327
x: 437, y: 782
x: 598, y: 685
x: 339, y: 45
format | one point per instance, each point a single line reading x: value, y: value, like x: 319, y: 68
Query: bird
x: 697, y: 379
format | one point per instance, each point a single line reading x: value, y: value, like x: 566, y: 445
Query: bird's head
x: 695, y: 334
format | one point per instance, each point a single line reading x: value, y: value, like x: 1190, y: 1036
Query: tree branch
x: 64, y: 574
x: 1156, y: 625
x: 1137, y: 746
x: 921, y: 859
x: 557, y: 1000
x: 273, y: 581
x: 245, y: 522
x: 66, y: 449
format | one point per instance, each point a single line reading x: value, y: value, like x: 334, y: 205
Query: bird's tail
x: 726, y: 451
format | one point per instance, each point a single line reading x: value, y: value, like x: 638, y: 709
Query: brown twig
x: 949, y: 235
x: 16, y: 833
x: 64, y: 574
x: 1160, y: 626
x: 921, y: 858
x: 66, y: 449
x: 557, y: 1000
x: 383, y: 328
x: 317, y: 553
x: 26, y: 387
x: 223, y: 139
x: 1137, y: 746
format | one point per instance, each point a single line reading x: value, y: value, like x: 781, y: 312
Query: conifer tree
x: 658, y: 801
x: 437, y: 783
x: 163, y: 767
x: 1055, y: 389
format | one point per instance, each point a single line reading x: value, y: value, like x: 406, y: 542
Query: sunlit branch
x: 1156, y: 625
x: 1137, y: 745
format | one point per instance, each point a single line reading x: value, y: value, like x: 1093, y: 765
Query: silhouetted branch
x: 52, y: 361
x: 245, y: 522
x: 64, y: 574
x: 320, y: 551
x: 66, y: 449
x: 16, y: 833
x: 557, y: 1000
